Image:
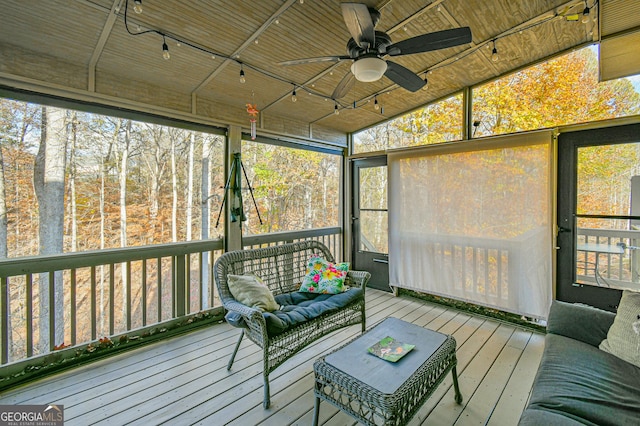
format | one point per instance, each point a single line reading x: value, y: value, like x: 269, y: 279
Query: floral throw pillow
x: 324, y: 277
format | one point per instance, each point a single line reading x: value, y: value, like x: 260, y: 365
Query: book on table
x: 390, y: 349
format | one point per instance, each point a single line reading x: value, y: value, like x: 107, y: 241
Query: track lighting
x: 336, y: 111
x: 425, y: 81
x: 165, y: 50
x: 293, y: 95
x: 376, y: 105
x: 137, y: 6
x: 494, y: 53
x: 242, y: 79
x: 585, y: 15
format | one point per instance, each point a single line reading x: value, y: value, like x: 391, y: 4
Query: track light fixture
x: 293, y: 95
x: 165, y: 50
x: 336, y: 111
x: 242, y: 79
x: 376, y: 105
x: 137, y: 6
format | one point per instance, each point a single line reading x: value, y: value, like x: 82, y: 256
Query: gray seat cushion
x: 298, y: 307
x: 578, y: 383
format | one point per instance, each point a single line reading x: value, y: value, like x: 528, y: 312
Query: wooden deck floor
x: 183, y: 381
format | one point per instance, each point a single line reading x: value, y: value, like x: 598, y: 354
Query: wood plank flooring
x: 184, y: 381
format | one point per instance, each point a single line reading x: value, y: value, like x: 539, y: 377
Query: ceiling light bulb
x: 165, y: 51
x: 137, y: 6
x: 494, y: 55
x: 256, y: 41
x: 585, y: 16
x: 293, y: 96
x: 336, y: 111
x: 277, y: 21
x: 376, y: 105
x: 301, y: 1
x: 242, y: 79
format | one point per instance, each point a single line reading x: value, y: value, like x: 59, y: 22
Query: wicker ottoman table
x: 380, y: 392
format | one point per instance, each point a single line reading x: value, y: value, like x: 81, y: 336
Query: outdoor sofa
x: 579, y: 383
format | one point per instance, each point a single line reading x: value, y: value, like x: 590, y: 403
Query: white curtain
x: 473, y: 221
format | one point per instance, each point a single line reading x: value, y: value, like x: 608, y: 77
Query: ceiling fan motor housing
x: 379, y: 47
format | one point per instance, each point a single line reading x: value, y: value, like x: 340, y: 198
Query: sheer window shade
x: 472, y: 221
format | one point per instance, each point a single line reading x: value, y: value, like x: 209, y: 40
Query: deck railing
x: 495, y: 272
x: 109, y: 292
x: 614, y: 270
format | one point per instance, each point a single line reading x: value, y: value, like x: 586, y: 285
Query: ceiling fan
x: 368, y: 48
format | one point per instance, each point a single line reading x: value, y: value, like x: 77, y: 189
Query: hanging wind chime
x: 252, y: 109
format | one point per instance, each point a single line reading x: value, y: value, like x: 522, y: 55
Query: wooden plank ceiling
x: 83, y: 46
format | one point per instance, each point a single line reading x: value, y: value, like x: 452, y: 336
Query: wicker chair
x: 282, y: 269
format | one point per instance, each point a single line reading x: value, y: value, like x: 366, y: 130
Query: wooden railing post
x: 180, y: 283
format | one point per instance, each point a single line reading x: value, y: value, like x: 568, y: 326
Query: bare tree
x: 3, y: 210
x: 189, y: 209
x: 123, y: 210
x: 48, y: 176
x: 174, y: 191
x: 205, y: 188
x: 73, y: 216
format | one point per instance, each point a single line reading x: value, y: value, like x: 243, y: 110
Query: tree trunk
x: 189, y: 209
x: 174, y: 191
x: 205, y: 188
x: 48, y: 176
x: 72, y: 182
x: 3, y: 211
x: 123, y: 213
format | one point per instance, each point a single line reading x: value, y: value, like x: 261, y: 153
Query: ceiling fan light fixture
x: 369, y: 69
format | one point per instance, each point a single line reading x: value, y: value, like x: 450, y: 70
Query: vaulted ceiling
x: 83, y: 49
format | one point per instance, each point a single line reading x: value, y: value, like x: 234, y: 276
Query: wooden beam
x: 104, y: 36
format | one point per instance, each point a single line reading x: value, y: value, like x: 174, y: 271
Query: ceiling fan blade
x: 404, y: 77
x: 344, y: 86
x: 431, y: 41
x: 358, y: 20
x: 312, y: 60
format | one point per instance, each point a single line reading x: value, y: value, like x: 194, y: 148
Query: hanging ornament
x: 253, y: 113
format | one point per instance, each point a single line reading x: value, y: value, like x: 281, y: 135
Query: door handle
x: 563, y: 229
x: 381, y: 260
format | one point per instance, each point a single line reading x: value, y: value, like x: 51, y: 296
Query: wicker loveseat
x: 302, y: 317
